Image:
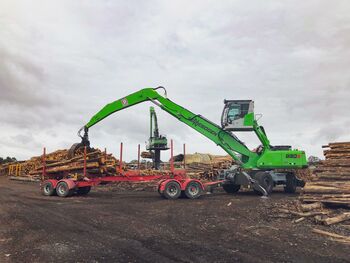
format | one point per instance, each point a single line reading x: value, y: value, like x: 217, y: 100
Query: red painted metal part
x: 214, y: 183
x: 44, y: 165
x: 71, y: 184
x: 178, y: 175
x: 183, y: 182
x: 132, y: 176
x: 187, y: 181
x: 52, y: 181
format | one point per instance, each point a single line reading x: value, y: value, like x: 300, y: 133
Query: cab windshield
x: 234, y: 113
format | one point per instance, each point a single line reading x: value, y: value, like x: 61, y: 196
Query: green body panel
x: 282, y: 159
x: 226, y: 140
x: 249, y: 119
x: 155, y: 141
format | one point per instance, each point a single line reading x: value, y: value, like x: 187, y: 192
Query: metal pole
x: 184, y: 155
x: 44, y: 165
x: 172, y: 156
x: 85, y: 161
x: 121, y: 158
x: 138, y: 156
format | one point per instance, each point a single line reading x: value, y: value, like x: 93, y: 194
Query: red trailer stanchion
x: 44, y: 165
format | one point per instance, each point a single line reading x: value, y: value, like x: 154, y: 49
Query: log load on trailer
x: 255, y: 168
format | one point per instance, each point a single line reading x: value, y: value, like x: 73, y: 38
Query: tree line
x: 7, y: 160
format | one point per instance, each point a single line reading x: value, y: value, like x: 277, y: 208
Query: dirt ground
x: 140, y: 226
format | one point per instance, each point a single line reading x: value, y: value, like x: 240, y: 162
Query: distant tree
x: 8, y: 159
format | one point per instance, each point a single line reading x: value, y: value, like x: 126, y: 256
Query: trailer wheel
x: 47, y: 189
x: 231, y: 188
x: 193, y: 190
x: 63, y: 190
x: 265, y: 180
x: 83, y: 190
x: 172, y: 190
x: 158, y: 190
x: 291, y: 183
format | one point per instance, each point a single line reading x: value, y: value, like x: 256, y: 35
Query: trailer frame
x: 171, y: 184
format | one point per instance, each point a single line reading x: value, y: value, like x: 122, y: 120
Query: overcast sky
x: 61, y: 61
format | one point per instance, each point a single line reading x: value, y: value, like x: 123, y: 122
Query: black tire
x: 63, y: 190
x: 265, y: 180
x: 231, y: 188
x: 193, y: 190
x: 291, y: 183
x: 48, y: 189
x: 172, y: 190
x: 83, y: 190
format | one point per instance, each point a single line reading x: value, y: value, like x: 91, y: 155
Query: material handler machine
x: 156, y: 141
x: 256, y: 169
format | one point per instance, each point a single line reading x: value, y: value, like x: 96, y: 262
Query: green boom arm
x: 213, y: 132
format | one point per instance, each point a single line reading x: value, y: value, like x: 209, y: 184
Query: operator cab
x: 238, y: 115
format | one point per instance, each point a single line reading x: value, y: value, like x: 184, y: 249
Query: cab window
x: 234, y: 113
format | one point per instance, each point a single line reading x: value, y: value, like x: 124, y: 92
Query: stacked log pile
x: 331, y: 185
x: 305, y: 174
x: 208, y: 170
x: 325, y: 199
x: 58, y: 165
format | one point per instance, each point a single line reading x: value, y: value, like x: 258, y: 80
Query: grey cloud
x: 63, y: 62
x: 19, y: 80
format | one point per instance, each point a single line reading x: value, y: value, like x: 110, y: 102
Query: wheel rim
x: 172, y: 190
x: 193, y: 189
x: 47, y: 188
x: 62, y: 189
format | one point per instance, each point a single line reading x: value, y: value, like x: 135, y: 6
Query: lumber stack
x: 209, y: 170
x: 58, y: 165
x: 331, y: 185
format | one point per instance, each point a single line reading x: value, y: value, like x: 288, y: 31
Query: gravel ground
x: 140, y: 226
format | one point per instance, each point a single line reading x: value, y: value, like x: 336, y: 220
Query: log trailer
x: 252, y: 168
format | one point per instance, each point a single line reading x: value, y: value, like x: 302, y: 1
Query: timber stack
x: 59, y: 165
x: 207, y: 168
x: 331, y: 185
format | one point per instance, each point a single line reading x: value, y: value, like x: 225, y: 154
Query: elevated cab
x: 238, y: 115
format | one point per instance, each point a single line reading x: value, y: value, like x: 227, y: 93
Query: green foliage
x: 7, y: 160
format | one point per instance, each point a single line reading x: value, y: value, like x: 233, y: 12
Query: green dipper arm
x: 213, y: 132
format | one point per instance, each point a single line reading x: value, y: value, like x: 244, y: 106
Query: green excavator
x: 256, y: 168
x: 156, y: 141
